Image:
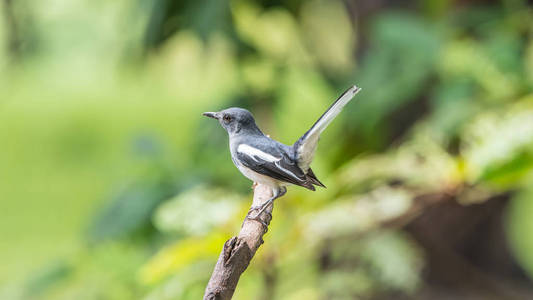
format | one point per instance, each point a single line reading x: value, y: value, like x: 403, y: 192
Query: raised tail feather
x: 304, y: 148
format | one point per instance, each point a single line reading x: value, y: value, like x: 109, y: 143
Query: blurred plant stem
x: 13, y: 40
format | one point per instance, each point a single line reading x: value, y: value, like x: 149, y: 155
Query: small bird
x: 269, y: 162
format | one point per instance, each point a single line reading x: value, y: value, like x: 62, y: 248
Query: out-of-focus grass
x: 68, y: 142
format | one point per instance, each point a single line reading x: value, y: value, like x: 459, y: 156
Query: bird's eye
x: 227, y: 118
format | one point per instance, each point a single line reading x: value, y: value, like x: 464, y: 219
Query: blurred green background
x: 112, y: 185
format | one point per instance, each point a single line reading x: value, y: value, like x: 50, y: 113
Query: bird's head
x: 235, y: 120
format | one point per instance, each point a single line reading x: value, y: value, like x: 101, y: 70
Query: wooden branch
x: 239, y: 251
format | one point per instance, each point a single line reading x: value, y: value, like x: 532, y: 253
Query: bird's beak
x: 213, y: 115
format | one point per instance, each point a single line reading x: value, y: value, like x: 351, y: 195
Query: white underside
x: 261, y: 179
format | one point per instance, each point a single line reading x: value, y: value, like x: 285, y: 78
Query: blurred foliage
x: 114, y: 187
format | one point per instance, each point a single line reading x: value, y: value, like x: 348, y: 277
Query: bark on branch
x: 239, y: 251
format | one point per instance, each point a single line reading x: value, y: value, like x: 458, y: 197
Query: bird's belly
x: 259, y: 178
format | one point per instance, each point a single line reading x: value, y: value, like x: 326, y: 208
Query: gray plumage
x: 270, y: 162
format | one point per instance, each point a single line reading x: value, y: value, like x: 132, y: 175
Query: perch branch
x: 238, y: 251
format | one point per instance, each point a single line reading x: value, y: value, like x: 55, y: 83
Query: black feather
x: 313, y: 179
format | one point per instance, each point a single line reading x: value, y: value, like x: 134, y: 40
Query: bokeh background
x: 112, y: 185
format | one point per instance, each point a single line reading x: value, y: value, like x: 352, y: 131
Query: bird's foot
x: 257, y: 216
x: 254, y: 185
x: 263, y: 208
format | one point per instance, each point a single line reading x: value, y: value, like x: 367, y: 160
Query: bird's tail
x: 305, y: 146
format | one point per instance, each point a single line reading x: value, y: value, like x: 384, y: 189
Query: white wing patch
x: 254, y: 152
x: 288, y: 172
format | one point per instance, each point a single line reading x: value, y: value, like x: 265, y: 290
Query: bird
x: 268, y: 162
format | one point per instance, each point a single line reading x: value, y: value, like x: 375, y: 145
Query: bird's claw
x: 257, y: 217
x: 254, y: 185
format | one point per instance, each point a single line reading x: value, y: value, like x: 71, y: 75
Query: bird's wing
x: 272, y: 162
x: 304, y: 148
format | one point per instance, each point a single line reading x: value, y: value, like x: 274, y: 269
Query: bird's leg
x: 281, y: 191
x: 277, y: 193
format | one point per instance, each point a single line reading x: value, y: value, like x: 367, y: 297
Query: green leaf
x: 395, y: 260
x: 130, y: 211
x: 196, y: 211
x: 48, y: 277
